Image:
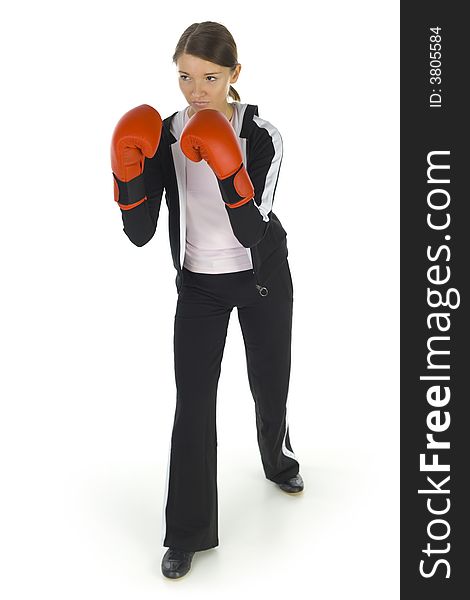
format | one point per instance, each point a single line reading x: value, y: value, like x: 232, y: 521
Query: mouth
x: 199, y: 104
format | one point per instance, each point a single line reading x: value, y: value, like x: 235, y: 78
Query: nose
x: 197, y: 92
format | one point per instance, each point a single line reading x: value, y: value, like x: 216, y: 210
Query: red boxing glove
x: 135, y: 137
x: 208, y: 135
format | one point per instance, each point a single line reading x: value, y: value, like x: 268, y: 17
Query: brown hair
x: 212, y: 42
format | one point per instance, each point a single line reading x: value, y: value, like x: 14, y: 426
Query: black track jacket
x: 254, y: 224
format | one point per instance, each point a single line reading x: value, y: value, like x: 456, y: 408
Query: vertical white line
x: 165, y: 495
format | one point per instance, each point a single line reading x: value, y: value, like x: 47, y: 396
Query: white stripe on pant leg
x: 165, y: 496
x: 285, y: 449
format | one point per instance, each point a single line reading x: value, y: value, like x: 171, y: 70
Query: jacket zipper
x: 262, y: 289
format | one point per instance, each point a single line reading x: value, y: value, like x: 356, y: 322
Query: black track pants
x: 205, y: 302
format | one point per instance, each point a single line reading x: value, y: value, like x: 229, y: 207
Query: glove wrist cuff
x: 130, y: 193
x: 237, y: 189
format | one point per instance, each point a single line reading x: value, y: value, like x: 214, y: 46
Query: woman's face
x: 205, y: 84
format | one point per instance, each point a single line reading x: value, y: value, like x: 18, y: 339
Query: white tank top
x: 211, y: 246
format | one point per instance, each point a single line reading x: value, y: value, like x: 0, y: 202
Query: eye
x: 211, y: 77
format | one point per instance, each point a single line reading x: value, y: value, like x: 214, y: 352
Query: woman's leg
x: 191, y: 512
x: 266, y: 324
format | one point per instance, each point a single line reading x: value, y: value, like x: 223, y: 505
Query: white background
x: 87, y: 386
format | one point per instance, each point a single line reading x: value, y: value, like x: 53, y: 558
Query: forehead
x: 198, y: 66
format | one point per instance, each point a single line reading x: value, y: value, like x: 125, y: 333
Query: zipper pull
x: 262, y: 290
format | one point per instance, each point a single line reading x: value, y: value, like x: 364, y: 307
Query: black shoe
x: 293, y: 485
x: 176, y: 563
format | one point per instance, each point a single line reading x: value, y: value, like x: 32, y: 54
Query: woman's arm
x: 140, y: 222
x: 250, y: 222
x: 248, y: 192
x: 136, y: 148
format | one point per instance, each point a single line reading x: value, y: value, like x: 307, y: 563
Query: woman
x: 218, y: 162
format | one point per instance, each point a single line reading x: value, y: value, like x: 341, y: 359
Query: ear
x: 236, y: 73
